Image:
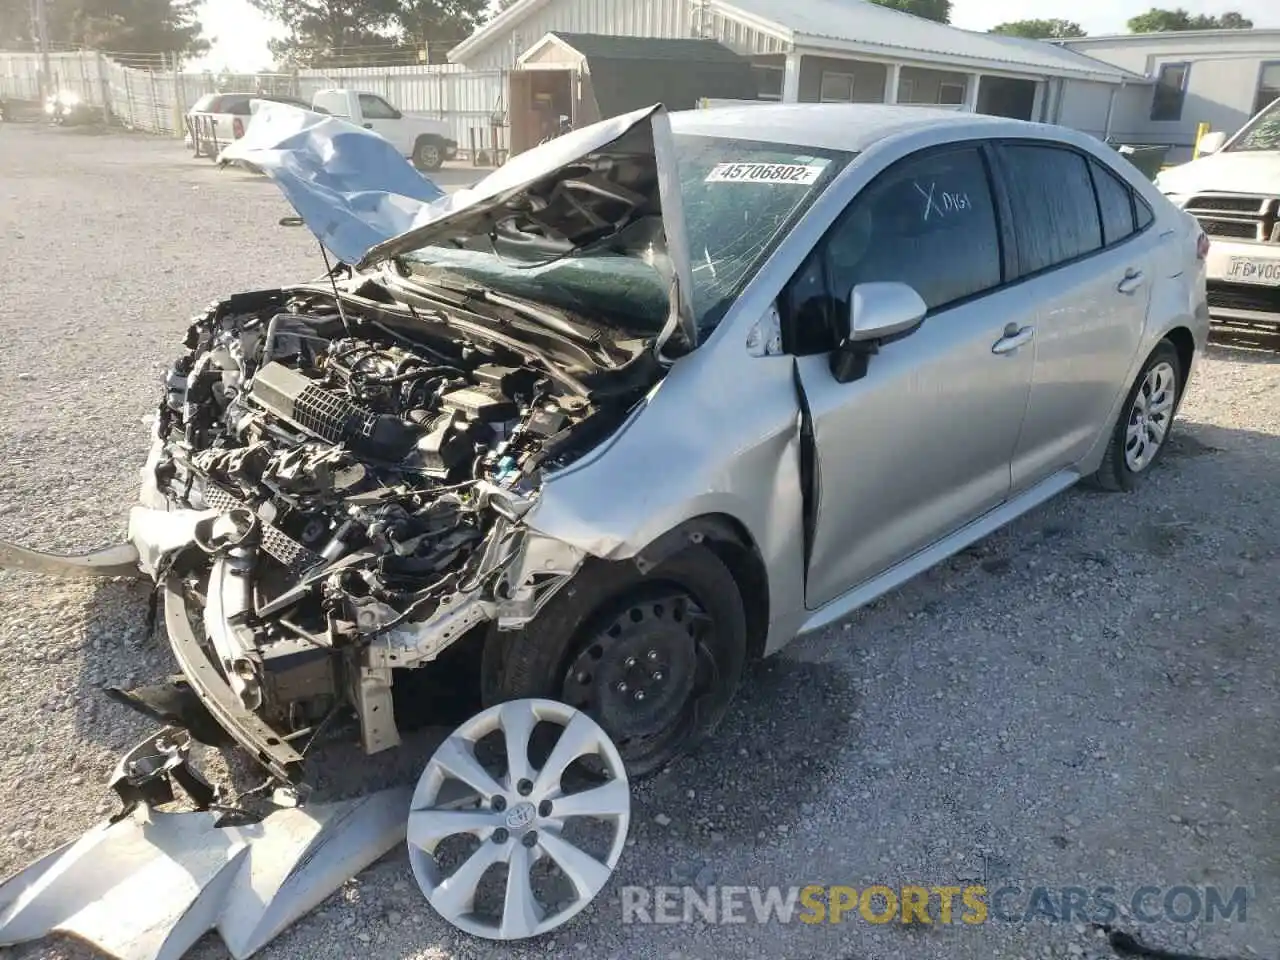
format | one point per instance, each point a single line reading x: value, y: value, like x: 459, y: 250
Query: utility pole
x: 41, y: 25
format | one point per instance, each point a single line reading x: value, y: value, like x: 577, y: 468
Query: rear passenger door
x: 1085, y: 260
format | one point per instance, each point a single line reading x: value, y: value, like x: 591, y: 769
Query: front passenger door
x: 921, y: 445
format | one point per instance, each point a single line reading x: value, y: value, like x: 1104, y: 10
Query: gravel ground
x: 1086, y: 698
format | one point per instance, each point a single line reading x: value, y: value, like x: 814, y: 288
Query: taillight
x: 237, y: 128
x: 1202, y: 246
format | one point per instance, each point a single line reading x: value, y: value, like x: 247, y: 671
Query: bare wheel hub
x: 638, y: 674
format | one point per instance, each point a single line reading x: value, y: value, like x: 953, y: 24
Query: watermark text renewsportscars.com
x: 911, y: 904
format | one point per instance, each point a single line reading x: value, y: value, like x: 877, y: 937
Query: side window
x: 928, y: 221
x: 375, y: 108
x: 1115, y: 200
x: 1055, y: 215
x: 1144, y: 212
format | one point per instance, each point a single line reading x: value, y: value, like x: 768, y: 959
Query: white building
x: 1219, y: 77
x: 836, y: 50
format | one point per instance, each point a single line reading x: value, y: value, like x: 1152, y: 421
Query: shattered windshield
x: 740, y: 198
x: 1263, y: 133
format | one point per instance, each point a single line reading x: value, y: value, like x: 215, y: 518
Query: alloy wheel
x: 517, y: 820
x: 1150, y: 416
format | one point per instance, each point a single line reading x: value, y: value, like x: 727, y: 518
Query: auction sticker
x: 803, y: 174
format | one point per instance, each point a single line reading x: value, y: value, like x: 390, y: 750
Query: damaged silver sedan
x: 646, y: 403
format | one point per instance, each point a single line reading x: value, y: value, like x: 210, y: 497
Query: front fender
x: 714, y: 438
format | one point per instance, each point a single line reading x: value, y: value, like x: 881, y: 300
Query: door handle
x: 368, y: 126
x: 1131, y: 282
x: 1014, y: 337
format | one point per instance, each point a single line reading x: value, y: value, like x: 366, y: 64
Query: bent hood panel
x: 567, y: 165
x: 349, y: 185
x: 367, y: 204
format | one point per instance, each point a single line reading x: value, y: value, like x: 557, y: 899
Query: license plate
x: 1250, y: 270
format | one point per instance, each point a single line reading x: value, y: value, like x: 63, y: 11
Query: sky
x: 240, y: 33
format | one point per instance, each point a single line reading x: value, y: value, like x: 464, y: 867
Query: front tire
x: 1141, y: 433
x: 653, y: 658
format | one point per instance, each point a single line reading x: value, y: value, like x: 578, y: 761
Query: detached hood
x: 1244, y: 171
x: 578, y: 190
x: 350, y: 186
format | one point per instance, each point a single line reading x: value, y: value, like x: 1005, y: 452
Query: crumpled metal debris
x: 148, y: 886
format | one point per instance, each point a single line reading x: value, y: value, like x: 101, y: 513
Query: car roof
x: 839, y: 126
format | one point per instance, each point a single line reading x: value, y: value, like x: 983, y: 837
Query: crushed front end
x: 335, y: 494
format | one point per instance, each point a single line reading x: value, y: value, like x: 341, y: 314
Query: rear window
x: 204, y: 104
x: 236, y: 103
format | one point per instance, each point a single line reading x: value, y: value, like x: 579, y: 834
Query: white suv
x: 1235, y: 194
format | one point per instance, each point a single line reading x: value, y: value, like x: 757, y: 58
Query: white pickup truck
x: 1234, y: 192
x: 426, y: 141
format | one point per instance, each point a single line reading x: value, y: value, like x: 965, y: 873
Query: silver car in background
x: 648, y: 402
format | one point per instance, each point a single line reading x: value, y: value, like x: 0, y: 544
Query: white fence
x: 473, y: 102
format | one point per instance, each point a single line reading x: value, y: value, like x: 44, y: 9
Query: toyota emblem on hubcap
x: 521, y: 816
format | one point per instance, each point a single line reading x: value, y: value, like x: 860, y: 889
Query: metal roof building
x: 1217, y: 77
x: 835, y: 50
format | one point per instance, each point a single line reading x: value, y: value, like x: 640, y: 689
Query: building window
x: 768, y: 82
x: 836, y: 88
x: 951, y: 93
x: 1268, y: 85
x: 1170, y: 92
x: 906, y: 90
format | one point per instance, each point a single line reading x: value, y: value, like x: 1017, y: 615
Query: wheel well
x: 731, y: 542
x: 1185, y: 344
x: 428, y: 138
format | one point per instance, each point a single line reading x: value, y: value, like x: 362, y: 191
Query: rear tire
x: 428, y: 154
x: 1141, y: 434
x: 653, y: 658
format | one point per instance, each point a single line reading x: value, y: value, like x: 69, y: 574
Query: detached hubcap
x: 518, y: 821
x: 1150, y: 416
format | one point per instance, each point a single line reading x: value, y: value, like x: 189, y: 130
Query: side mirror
x: 1211, y: 142
x: 877, y: 311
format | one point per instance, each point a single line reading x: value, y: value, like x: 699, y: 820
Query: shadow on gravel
x: 769, y: 762
x: 118, y: 652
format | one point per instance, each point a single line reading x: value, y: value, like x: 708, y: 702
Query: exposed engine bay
x: 354, y: 471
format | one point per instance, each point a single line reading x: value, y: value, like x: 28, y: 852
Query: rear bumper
x: 1244, y: 304
x: 1233, y: 301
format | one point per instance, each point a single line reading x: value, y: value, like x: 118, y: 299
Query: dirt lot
x: 1088, y: 698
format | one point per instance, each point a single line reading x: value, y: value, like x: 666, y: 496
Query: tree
x: 437, y: 26
x: 140, y: 32
x: 939, y: 10
x: 1157, y: 20
x: 1040, y: 29
x: 324, y: 31
x: 370, y: 32
x: 503, y: 4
